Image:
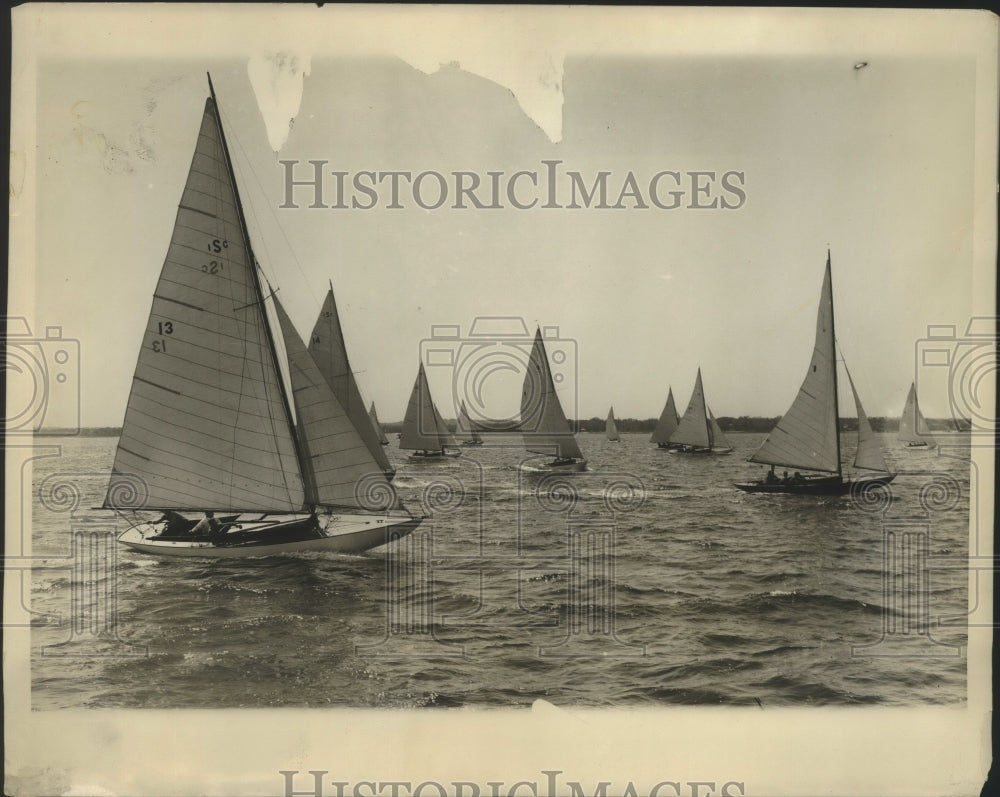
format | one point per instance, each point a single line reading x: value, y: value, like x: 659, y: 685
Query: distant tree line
x: 744, y: 423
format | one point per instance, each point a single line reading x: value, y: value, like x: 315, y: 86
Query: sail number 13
x: 163, y: 328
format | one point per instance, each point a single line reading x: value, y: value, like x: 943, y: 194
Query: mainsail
x: 373, y: 416
x: 869, y: 453
x: 807, y: 435
x: 719, y: 441
x: 912, y: 426
x: 693, y: 429
x: 610, y: 427
x: 335, y: 457
x: 327, y: 347
x: 543, y: 423
x: 207, y: 424
x: 668, y: 421
x: 423, y: 427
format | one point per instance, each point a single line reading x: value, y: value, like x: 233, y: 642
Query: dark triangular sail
x: 869, y: 454
x: 693, y: 429
x: 912, y: 426
x: 806, y: 436
x: 423, y: 427
x: 543, y: 423
x: 327, y: 347
x: 465, y: 427
x: 719, y: 441
x: 336, y: 459
x: 373, y: 416
x: 207, y: 424
x: 610, y: 427
x: 668, y: 422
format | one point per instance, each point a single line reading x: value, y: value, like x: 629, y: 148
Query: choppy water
x: 648, y: 581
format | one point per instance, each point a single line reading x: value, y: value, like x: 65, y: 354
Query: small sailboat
x: 209, y: 430
x: 544, y: 427
x: 327, y: 347
x: 379, y: 431
x: 808, y: 436
x: 698, y: 432
x: 912, y: 426
x: 424, y: 431
x: 669, y: 420
x: 611, y: 428
x: 466, y: 430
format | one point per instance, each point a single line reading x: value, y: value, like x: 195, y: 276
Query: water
x: 506, y: 594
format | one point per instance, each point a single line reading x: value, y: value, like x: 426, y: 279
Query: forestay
x: 206, y: 425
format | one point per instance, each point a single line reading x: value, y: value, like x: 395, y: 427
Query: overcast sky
x: 874, y: 162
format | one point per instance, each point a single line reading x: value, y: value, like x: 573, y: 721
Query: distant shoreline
x: 728, y: 424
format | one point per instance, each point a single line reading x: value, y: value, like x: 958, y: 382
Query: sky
x: 874, y: 162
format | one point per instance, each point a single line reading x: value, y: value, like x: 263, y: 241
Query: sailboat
x: 611, y: 428
x: 669, y: 420
x: 698, y: 432
x: 327, y: 347
x: 373, y: 417
x: 208, y: 429
x: 466, y: 429
x: 912, y: 426
x: 424, y: 431
x: 807, y: 436
x: 544, y: 427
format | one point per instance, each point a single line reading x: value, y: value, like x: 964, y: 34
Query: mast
x: 255, y: 277
x: 833, y: 359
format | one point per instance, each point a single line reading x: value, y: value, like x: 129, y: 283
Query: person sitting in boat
x: 173, y: 522
x: 784, y: 477
x: 208, y: 526
x: 797, y: 478
x: 771, y: 478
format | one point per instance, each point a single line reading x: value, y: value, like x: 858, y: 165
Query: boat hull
x: 833, y: 485
x: 345, y: 533
x: 432, y: 456
x: 576, y: 466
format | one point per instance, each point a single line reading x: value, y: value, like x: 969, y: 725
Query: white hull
x: 343, y: 533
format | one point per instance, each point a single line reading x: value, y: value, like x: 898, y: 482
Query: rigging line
x: 253, y: 210
x: 262, y: 336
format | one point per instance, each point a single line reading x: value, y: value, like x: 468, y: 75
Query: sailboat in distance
x: 373, y: 416
x: 209, y: 442
x: 669, y: 420
x: 544, y: 427
x: 611, y: 428
x: 466, y: 429
x: 327, y: 347
x: 424, y: 431
x: 808, y: 436
x: 698, y: 432
x: 912, y: 426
